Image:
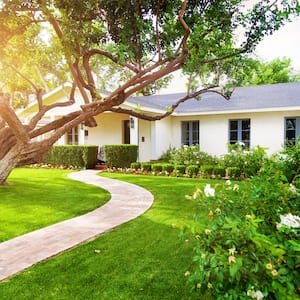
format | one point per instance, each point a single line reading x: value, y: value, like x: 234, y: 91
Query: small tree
x: 134, y: 43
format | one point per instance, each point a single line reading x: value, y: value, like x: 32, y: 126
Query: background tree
x: 255, y: 72
x: 141, y: 41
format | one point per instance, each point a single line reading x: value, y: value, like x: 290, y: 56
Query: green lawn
x: 35, y: 198
x: 143, y: 259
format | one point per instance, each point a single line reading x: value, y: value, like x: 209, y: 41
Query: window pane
x: 290, y: 133
x: 245, y: 124
x: 190, y: 132
x: 239, y: 130
x: 233, y: 125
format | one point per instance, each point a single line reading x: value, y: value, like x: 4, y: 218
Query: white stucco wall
x: 108, y: 131
x: 267, y: 130
x: 144, y: 140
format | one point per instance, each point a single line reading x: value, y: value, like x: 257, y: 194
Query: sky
x: 283, y: 43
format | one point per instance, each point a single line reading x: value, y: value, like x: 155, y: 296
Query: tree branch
x: 170, y: 109
x: 10, y: 117
x: 39, y: 115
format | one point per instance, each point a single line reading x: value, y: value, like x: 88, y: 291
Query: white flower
x: 258, y: 295
x: 218, y: 211
x: 289, y: 220
x: 236, y: 187
x: 231, y: 259
x: 228, y: 182
x: 232, y: 251
x: 208, y: 191
x: 293, y: 189
x: 207, y: 231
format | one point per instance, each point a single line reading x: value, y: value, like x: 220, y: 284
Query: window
x: 72, y: 136
x: 239, y: 131
x: 190, y: 133
x: 292, y: 130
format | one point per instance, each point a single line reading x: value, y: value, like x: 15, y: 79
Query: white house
x: 266, y: 115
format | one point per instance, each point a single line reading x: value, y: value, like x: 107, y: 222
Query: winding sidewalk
x: 127, y: 202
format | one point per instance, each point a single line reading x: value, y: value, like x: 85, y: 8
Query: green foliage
x: 120, y: 156
x: 248, y: 161
x: 180, y: 170
x: 168, y: 168
x: 157, y: 167
x: 207, y: 171
x: 166, y: 156
x: 192, y: 171
x: 234, y: 173
x: 288, y: 162
x: 191, y: 155
x: 83, y: 156
x: 219, y: 171
x: 246, y: 246
x: 135, y: 165
x: 146, y: 166
x: 255, y: 72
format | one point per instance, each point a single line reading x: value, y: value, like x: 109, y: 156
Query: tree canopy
x: 256, y: 72
x: 130, y: 45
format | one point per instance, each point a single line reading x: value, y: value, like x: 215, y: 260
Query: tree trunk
x: 8, y: 163
x: 21, y: 155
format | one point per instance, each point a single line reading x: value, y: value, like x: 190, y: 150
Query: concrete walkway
x: 127, y: 202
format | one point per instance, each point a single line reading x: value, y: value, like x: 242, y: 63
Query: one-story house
x: 266, y: 115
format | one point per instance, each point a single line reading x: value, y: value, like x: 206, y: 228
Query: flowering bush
x: 288, y: 162
x: 191, y: 155
x: 248, y: 161
x: 248, y: 243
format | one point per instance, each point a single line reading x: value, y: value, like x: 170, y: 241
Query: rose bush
x: 248, y: 243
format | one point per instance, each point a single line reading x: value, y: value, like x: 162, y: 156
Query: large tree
x: 257, y: 72
x: 138, y: 43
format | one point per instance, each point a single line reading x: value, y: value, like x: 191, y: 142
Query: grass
x: 142, y: 259
x: 35, y: 198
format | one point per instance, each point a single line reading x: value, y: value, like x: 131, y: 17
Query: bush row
x: 120, y: 156
x: 83, y: 156
x: 192, y: 171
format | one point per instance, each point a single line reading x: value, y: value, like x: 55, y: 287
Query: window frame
x: 191, y: 134
x: 240, y: 131
x: 287, y: 140
x: 72, y: 136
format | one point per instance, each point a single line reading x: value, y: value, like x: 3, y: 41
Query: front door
x: 126, y: 132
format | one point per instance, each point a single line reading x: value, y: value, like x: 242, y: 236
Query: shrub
x: 179, y: 170
x: 83, y: 156
x: 207, y: 171
x: 288, y: 162
x: 192, y: 171
x: 220, y: 171
x: 146, y: 166
x: 234, y: 172
x: 167, y: 155
x: 247, y: 241
x: 135, y: 165
x: 191, y: 155
x: 120, y: 156
x: 168, y: 168
x: 157, y: 167
x: 247, y: 161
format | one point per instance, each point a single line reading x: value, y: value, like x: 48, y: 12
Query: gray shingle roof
x: 252, y: 98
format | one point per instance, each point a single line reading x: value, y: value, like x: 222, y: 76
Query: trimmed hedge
x: 82, y: 156
x: 157, y: 167
x: 207, y: 171
x: 146, y: 166
x: 192, y: 171
x: 120, y: 156
x: 135, y: 165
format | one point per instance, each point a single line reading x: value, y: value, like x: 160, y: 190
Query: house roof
x: 272, y: 97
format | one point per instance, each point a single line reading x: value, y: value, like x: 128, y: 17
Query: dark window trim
x: 239, y: 131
